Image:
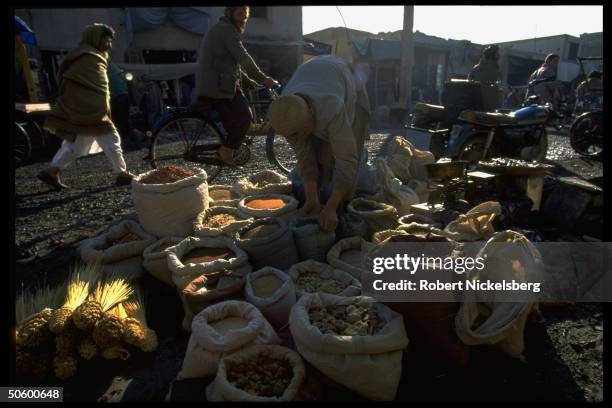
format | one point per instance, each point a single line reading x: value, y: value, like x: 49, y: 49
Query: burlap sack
x: 285, y: 212
x: 221, y: 389
x: 476, y: 224
x: 277, y: 249
x: 311, y: 241
x: 406, y: 161
x: 212, y: 288
x: 200, y: 228
x: 277, y: 306
x: 334, y: 256
x: 326, y: 273
x: 378, y: 216
x: 264, y: 182
x: 155, y: 259
x: 170, y: 209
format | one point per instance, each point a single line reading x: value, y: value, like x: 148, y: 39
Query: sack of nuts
x: 316, y: 277
x: 258, y: 374
x: 354, y: 341
x: 223, y: 328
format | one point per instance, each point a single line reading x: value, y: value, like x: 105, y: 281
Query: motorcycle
x: 476, y: 135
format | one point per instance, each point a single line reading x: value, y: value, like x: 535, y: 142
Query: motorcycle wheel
x: 585, y: 135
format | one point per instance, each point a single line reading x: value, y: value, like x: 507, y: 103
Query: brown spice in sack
x: 261, y: 230
x: 219, y: 220
x: 167, y: 174
x: 266, y: 204
x: 205, y: 255
x: 263, y: 376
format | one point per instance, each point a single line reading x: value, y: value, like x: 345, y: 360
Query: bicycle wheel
x: 586, y: 135
x: 280, y: 152
x: 186, y: 141
x: 21, y: 145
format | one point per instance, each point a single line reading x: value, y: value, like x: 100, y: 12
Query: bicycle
x: 193, y: 134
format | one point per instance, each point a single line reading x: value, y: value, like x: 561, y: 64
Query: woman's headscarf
x: 93, y: 35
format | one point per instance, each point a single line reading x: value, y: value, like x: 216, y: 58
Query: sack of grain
x: 492, y: 318
x: 169, y: 199
x: 155, y: 259
x: 316, y: 277
x: 119, y: 250
x: 212, y: 288
x: 258, y: 374
x: 222, y: 328
x: 272, y: 291
x: 352, y: 340
x: 268, y: 205
x: 351, y: 225
x: 264, y: 182
x: 225, y: 203
x: 378, y: 216
x: 311, y: 241
x: 348, y: 255
x: 194, y: 256
x: 268, y: 242
x: 219, y: 192
x: 217, y: 221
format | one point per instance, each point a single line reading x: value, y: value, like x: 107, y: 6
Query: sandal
x: 54, y: 182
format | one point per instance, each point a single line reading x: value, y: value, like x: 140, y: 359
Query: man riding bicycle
x: 221, y: 60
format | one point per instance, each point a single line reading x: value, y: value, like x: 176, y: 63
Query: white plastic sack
x: 264, y: 182
x: 399, y: 195
x: 352, y: 287
x: 123, y: 259
x: 504, y: 321
x: 206, y: 345
x: 201, y: 230
x: 285, y: 212
x: 334, y: 256
x: 155, y: 260
x: 406, y: 161
x: 276, y: 307
x: 183, y: 274
x: 222, y: 390
x: 170, y: 209
x: 368, y: 365
x: 476, y: 224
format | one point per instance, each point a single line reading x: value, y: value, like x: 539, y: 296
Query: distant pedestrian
x: 82, y: 116
x: 548, y: 89
x: 487, y: 69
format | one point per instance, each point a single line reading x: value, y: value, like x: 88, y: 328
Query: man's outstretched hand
x: 328, y: 219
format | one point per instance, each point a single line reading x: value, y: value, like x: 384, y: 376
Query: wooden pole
x: 405, y: 84
x: 25, y: 66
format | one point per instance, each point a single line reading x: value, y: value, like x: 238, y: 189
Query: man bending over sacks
x: 323, y: 113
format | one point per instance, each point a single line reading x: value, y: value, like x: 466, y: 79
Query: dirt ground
x: 564, y: 351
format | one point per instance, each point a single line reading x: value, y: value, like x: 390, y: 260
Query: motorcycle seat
x: 489, y: 118
x: 433, y: 111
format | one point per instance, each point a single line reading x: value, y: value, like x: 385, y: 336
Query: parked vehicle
x: 476, y: 135
x: 586, y: 132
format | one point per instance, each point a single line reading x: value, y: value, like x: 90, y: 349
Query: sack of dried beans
x: 222, y: 328
x: 216, y: 221
x: 119, y: 250
x: 269, y: 205
x: 352, y: 340
x: 258, y: 374
x: 156, y: 259
x: 169, y: 199
x: 378, y: 216
x: 272, y: 291
x: 264, y: 182
x: 194, y: 257
x: 348, y: 255
x: 311, y: 241
x: 268, y: 242
x: 316, y: 277
x: 220, y: 192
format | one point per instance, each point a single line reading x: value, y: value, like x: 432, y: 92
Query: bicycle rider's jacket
x: 338, y: 102
x: 222, y: 59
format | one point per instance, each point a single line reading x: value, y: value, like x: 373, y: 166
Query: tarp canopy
x: 160, y: 72
x: 193, y: 19
x: 27, y: 35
